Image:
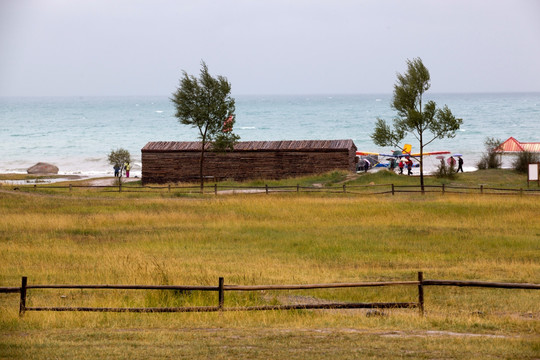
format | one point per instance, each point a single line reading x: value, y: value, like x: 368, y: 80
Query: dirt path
x: 110, y: 181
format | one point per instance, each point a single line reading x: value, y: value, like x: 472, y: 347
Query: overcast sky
x: 136, y: 47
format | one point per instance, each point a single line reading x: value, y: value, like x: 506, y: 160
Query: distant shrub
x: 119, y: 157
x: 523, y: 159
x: 491, y: 158
x: 482, y: 164
x: 444, y: 171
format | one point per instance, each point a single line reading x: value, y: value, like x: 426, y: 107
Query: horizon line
x: 276, y: 94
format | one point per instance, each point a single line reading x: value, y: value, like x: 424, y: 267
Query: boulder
x: 42, y: 168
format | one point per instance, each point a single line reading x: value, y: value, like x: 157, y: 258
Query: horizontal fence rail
x: 221, y: 288
x: 316, y: 286
x: 8, y: 290
x: 481, y: 284
x: 127, y: 287
x: 385, y: 305
x: 376, y: 189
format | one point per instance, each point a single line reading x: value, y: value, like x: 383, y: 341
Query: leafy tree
x: 119, y: 157
x: 205, y: 103
x: 426, y: 123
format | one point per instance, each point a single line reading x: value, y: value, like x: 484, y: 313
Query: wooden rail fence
x: 378, y: 189
x: 221, y: 288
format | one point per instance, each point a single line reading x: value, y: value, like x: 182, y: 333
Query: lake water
x: 77, y: 133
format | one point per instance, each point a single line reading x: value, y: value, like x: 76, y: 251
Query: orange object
x: 407, y: 148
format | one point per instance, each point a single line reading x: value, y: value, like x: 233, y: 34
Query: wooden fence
x: 221, y: 288
x: 217, y: 189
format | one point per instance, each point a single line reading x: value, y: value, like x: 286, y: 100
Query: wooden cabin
x: 172, y: 161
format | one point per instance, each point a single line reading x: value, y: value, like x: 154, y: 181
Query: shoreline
x: 31, y: 179
x: 19, y: 178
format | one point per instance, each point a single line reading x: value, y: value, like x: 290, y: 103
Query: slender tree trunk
x: 201, y: 161
x: 420, y: 130
x: 421, y: 163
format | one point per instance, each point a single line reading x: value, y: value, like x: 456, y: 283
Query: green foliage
x: 491, y: 158
x: 523, y: 159
x: 426, y: 123
x: 119, y: 157
x: 205, y: 103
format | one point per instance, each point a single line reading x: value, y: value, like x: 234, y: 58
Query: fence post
x: 169, y: 187
x: 297, y: 188
x: 69, y: 187
x: 221, y: 294
x: 266, y: 186
x: 22, y: 304
x: 443, y: 189
x: 481, y: 189
x: 345, y: 188
x: 421, y: 292
x: 120, y: 185
x: 393, y: 191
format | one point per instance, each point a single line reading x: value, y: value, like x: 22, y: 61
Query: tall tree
x: 205, y: 103
x: 426, y: 123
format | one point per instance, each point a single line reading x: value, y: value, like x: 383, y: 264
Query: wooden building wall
x: 166, y: 166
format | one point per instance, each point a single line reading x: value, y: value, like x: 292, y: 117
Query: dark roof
x: 285, y: 145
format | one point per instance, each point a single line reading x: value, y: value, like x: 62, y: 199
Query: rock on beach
x: 43, y: 168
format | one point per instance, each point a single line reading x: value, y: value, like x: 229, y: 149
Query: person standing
x: 409, y: 167
x: 127, y: 166
x: 116, y: 170
x: 392, y: 164
x: 460, y: 164
x: 367, y: 164
x: 401, y: 165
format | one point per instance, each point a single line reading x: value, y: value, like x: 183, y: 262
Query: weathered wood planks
x: 170, y: 162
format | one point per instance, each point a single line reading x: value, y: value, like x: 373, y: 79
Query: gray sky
x: 136, y: 47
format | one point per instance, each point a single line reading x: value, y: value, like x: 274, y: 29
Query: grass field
x: 85, y: 237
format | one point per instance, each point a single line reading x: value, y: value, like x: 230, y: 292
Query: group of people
x: 119, y: 169
x: 452, y: 162
x: 408, y: 162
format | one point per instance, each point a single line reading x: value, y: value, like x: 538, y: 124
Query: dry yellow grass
x: 261, y: 239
